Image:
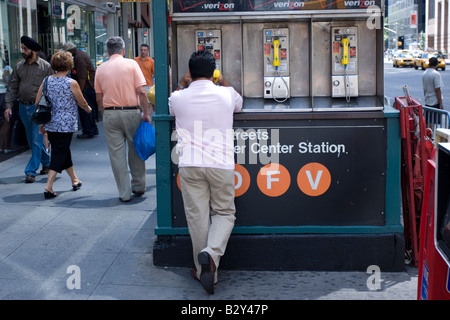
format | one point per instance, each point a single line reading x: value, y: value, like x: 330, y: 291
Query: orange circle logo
x: 273, y: 179
x: 314, y: 179
x: 241, y: 180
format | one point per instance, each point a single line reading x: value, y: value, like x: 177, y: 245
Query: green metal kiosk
x: 317, y: 152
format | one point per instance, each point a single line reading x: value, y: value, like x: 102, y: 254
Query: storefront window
x: 68, y: 21
x: 52, y: 23
x: 100, y: 38
x: 4, y: 48
x: 59, y: 31
x: 17, y: 18
x: 74, y: 23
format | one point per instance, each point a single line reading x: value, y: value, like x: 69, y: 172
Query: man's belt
x: 122, y: 108
x: 27, y: 103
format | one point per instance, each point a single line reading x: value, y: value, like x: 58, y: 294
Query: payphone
x: 276, y: 64
x: 210, y: 40
x: 344, y: 62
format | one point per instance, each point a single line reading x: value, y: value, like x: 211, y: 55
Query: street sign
x: 413, y: 19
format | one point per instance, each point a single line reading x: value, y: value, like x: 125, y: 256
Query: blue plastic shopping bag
x: 144, y: 140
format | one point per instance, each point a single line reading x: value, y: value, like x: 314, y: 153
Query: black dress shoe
x: 30, y: 178
x: 84, y: 136
x: 207, y: 273
x: 138, y: 193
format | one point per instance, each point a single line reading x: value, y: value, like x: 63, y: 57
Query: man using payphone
x: 204, y: 122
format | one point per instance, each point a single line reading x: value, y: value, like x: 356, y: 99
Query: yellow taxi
x: 403, y: 59
x: 422, y: 61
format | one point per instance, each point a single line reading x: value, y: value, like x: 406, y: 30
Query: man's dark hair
x: 202, y: 64
x: 433, y: 62
x: 145, y: 45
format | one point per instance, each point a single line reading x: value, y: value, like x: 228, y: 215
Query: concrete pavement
x: 88, y: 245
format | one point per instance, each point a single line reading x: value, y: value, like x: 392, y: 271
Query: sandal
x: 76, y: 186
x: 49, y: 195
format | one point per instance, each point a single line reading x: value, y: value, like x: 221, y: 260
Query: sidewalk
x: 89, y: 237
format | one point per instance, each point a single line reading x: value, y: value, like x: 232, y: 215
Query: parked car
x: 422, y: 61
x: 403, y: 59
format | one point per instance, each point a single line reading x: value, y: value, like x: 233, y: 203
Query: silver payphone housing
x: 276, y: 79
x: 344, y: 80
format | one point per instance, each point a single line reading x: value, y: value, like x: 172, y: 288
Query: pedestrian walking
x: 65, y: 95
x: 84, y: 73
x: 121, y: 97
x: 433, y: 85
x: 25, y: 80
x: 5, y: 126
x: 146, y: 64
x: 204, y: 123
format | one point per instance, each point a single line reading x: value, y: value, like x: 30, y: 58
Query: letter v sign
x: 314, y: 179
x: 314, y: 183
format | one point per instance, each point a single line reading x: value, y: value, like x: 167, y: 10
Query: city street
x: 396, y: 78
x: 87, y: 229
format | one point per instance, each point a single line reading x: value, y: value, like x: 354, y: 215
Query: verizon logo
x: 218, y: 6
x: 289, y: 4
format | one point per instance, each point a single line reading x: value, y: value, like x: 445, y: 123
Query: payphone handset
x: 216, y: 75
x: 344, y: 62
x: 210, y: 40
x: 276, y: 64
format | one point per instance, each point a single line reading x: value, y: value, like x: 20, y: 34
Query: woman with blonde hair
x: 65, y: 96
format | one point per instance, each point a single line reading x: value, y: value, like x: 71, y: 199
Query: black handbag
x: 43, y: 112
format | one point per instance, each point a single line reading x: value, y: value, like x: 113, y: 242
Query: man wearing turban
x: 24, y: 84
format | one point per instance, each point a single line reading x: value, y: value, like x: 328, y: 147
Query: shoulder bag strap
x: 44, y: 91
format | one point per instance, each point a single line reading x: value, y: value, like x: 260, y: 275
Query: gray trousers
x: 208, y: 197
x: 120, y: 127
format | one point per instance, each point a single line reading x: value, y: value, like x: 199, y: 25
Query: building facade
x: 406, y: 18
x: 437, y: 25
x: 52, y: 23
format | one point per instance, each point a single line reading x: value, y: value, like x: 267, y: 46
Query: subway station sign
x: 299, y: 173
x: 210, y: 6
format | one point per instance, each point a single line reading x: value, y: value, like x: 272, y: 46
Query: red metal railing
x: 416, y: 150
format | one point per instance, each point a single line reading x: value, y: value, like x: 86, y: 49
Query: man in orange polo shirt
x: 121, y: 97
x: 147, y: 65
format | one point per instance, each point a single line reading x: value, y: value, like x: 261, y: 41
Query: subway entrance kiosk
x: 317, y: 152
